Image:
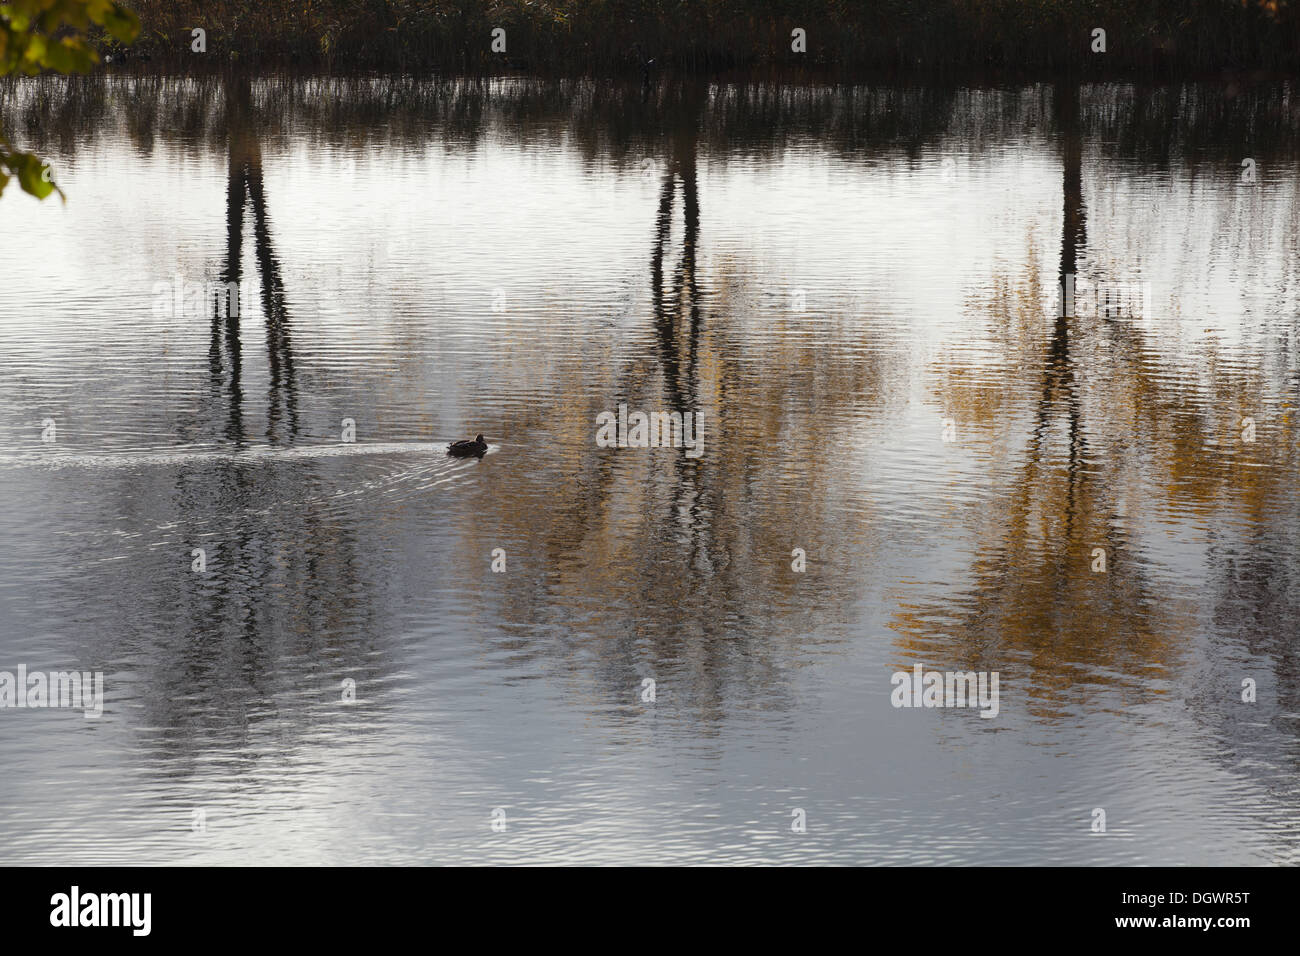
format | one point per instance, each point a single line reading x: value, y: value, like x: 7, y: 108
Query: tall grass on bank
x: 598, y: 36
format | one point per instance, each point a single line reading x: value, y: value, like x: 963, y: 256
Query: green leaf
x: 74, y: 55
x: 121, y: 23
x: 35, y: 52
x: 28, y: 44
x: 19, y: 22
x: 29, y: 176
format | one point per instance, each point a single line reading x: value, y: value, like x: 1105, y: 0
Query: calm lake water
x: 856, y: 288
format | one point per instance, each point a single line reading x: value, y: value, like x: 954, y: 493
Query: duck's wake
x: 234, y: 504
x: 200, y: 454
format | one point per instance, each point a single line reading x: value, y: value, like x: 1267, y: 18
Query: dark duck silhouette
x: 465, y: 448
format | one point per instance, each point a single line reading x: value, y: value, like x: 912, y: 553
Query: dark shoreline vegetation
x: 585, y: 37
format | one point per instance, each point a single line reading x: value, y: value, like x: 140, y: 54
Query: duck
x: 476, y: 447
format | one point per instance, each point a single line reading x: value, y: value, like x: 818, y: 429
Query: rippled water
x: 856, y: 288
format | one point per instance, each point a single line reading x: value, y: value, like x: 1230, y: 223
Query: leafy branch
x: 40, y: 35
